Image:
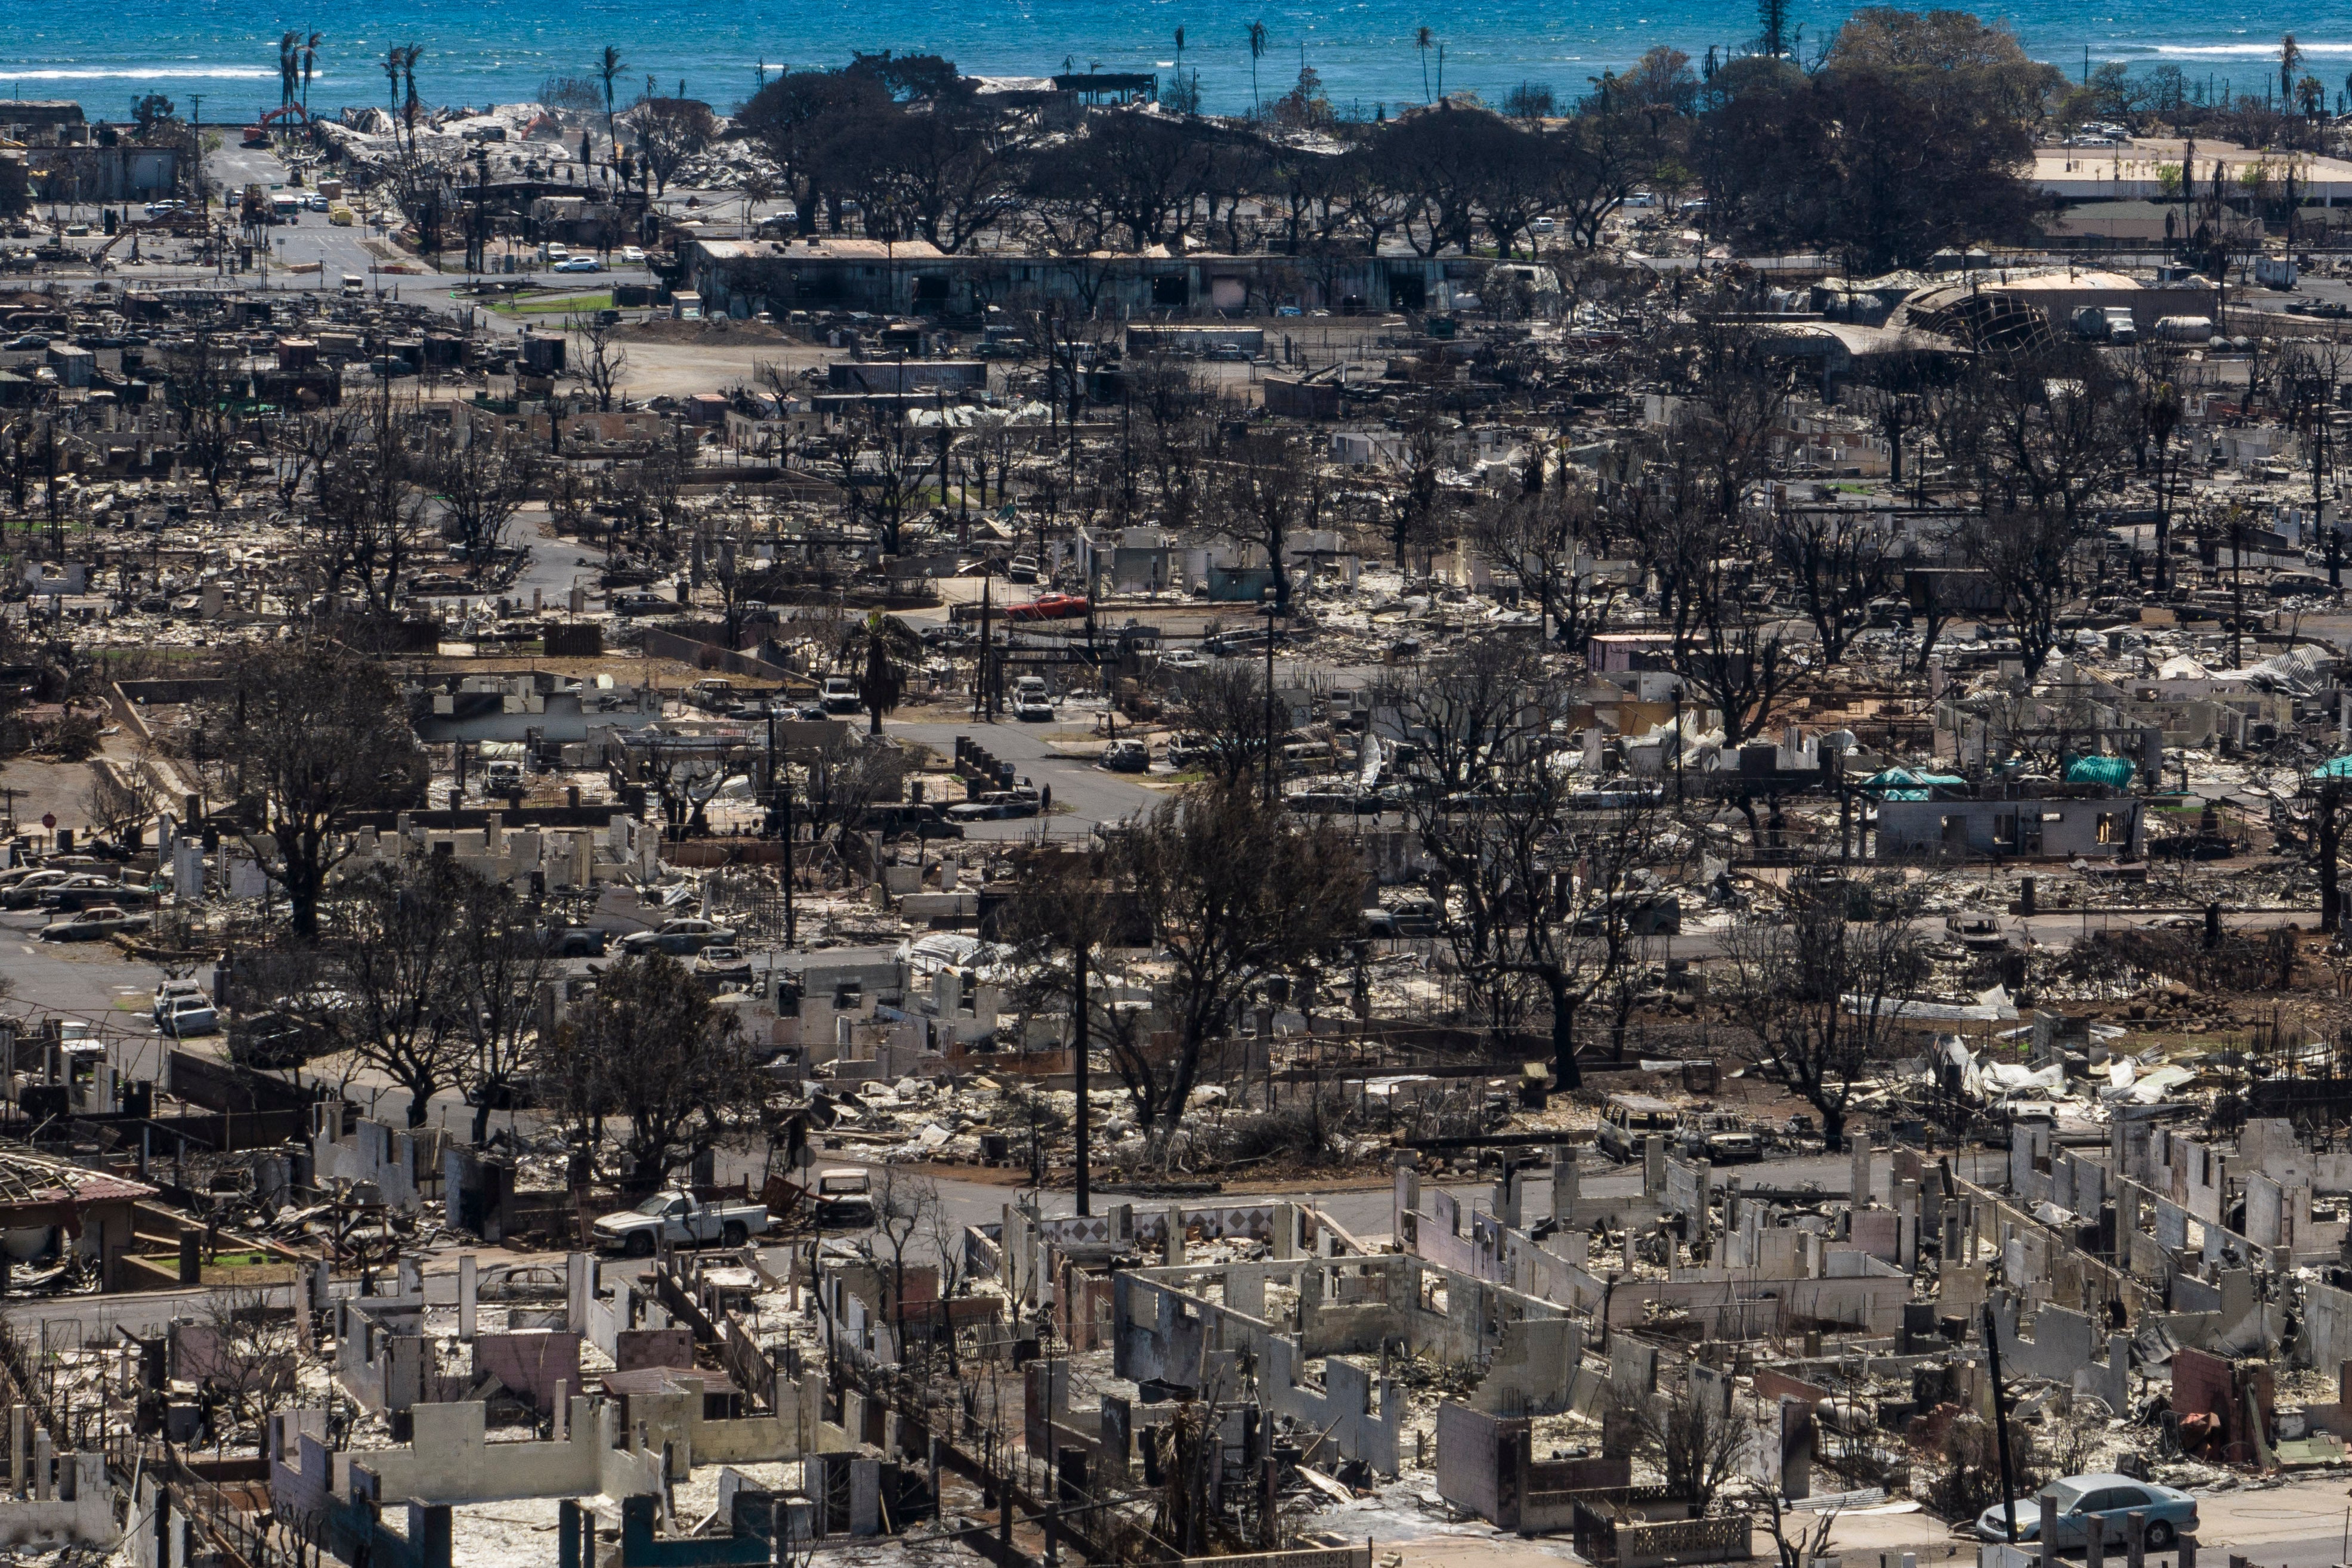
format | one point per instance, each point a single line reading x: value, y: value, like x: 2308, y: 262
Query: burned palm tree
x: 309, y: 67
x: 884, y: 649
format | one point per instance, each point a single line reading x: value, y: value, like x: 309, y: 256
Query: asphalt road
x: 1085, y: 796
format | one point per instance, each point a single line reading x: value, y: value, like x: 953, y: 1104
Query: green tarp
x: 2112, y: 771
x: 1908, y: 784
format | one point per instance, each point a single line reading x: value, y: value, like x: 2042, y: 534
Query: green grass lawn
x: 565, y: 306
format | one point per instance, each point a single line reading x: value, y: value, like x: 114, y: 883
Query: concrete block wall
x: 2062, y: 1348
x: 1162, y: 1331
x: 448, y: 1460
x: 75, y: 1504
x: 375, y: 1152
x: 532, y: 1362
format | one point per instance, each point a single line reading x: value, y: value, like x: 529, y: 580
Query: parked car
x: 90, y: 923
x: 190, y: 1016
x: 576, y: 942
x: 723, y: 963
x: 840, y: 695
x: 1183, y: 659
x: 1410, y: 918
x: 2172, y: 1514
x: 579, y: 264
x: 844, y: 1198
x: 27, y: 892
x: 273, y: 1041
x: 1021, y: 568
x: 1127, y: 757
x: 633, y: 255
x: 1719, y: 1138
x: 684, y: 1219
x: 1048, y: 607
x: 171, y: 992
x: 82, y: 892
x: 1033, y: 707
x: 996, y: 805
x: 677, y: 937
x: 1975, y: 930
x: 1628, y: 1120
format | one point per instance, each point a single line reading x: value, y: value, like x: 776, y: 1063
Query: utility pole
x: 1268, y: 769
x: 780, y: 795
x: 2000, y: 1422
x: 980, y: 680
x: 1079, y: 1058
x: 2331, y: 900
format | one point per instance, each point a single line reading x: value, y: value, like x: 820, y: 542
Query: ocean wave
x: 139, y: 73
x: 2262, y: 51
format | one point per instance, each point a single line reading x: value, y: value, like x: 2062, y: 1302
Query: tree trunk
x: 1563, y: 1041
x: 1833, y: 1126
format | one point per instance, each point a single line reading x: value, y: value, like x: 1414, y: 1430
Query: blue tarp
x: 1908, y: 784
x: 2112, y: 771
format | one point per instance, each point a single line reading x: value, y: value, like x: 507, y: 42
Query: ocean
x: 501, y: 50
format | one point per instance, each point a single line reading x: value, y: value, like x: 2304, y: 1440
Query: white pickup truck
x: 684, y: 1219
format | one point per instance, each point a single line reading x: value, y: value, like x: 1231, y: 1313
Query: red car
x: 1051, y: 607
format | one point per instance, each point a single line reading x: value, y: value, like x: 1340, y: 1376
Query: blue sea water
x: 501, y: 50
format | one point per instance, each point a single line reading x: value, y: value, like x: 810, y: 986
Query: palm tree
x: 309, y: 67
x: 610, y: 68
x: 2290, y: 62
x: 1179, y: 56
x: 884, y: 649
x: 409, y: 55
x: 287, y: 70
x: 391, y: 74
x: 1257, y: 49
x: 1424, y: 40
x: 756, y: 188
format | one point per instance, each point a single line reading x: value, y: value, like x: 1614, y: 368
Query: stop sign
x: 48, y: 819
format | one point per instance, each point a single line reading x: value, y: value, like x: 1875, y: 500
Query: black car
x: 274, y: 1041
x: 576, y: 942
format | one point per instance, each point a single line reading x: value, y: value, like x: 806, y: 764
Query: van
x: 1628, y: 1120
x: 1978, y: 931
x: 353, y: 285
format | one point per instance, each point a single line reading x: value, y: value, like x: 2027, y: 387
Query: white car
x: 579, y: 264
x: 633, y: 255
x: 190, y: 1015
x: 840, y: 695
x: 169, y: 993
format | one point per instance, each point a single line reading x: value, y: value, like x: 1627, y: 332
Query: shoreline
x: 1374, y: 68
